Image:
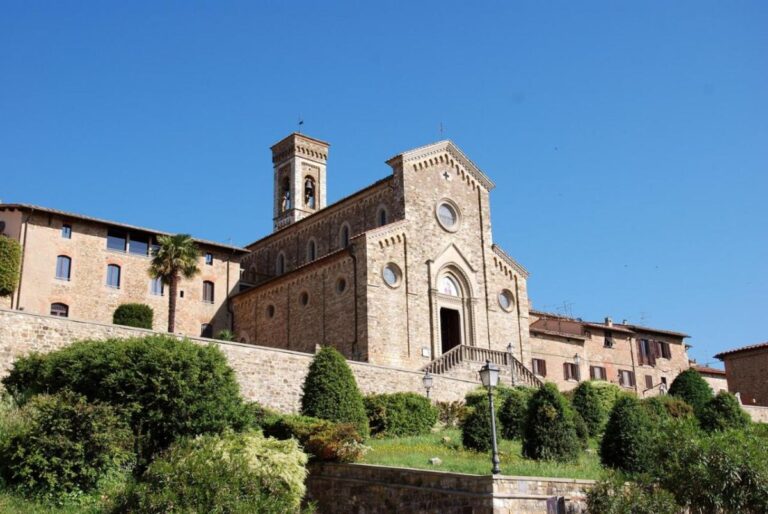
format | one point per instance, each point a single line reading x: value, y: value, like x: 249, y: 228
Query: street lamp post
x: 577, y: 361
x: 511, y: 364
x: 489, y: 375
x: 427, y: 381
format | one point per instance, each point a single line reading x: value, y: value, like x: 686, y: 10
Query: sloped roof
x: 758, y: 346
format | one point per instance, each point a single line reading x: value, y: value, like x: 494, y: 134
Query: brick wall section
x: 270, y: 376
x: 344, y: 488
x: 746, y: 374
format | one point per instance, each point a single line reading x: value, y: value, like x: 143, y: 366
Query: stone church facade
x: 403, y: 273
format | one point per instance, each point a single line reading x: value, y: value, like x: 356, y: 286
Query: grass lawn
x: 415, y: 452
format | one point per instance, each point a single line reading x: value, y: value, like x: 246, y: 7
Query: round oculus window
x: 448, y: 216
x: 506, y: 300
x: 391, y: 274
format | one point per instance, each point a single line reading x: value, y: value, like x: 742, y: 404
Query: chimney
x: 608, y: 321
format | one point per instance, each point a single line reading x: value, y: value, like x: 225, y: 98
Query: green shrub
x: 322, y: 439
x: 330, y: 391
x: 62, y: 444
x: 400, y: 414
x: 451, y: 414
x: 550, y: 432
x: 513, y: 412
x: 664, y: 408
x: 614, y: 496
x: 608, y: 393
x: 723, y: 412
x: 133, y: 315
x: 479, y: 396
x: 228, y: 473
x: 225, y: 335
x: 628, y: 436
x: 724, y: 471
x: 168, y: 388
x: 582, y: 430
x: 10, y: 262
x: 690, y: 387
x: 591, y: 407
x: 476, y: 427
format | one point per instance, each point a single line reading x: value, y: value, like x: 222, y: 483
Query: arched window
x: 449, y: 286
x: 280, y: 264
x: 381, y: 216
x: 344, y: 236
x: 208, y: 291
x: 63, y: 267
x: 309, y: 192
x: 60, y: 309
x: 285, y: 195
x: 311, y: 250
x: 113, y: 276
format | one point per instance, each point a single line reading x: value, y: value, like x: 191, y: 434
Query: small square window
x: 209, y: 259
x: 66, y: 231
x: 539, y: 367
x: 116, y: 240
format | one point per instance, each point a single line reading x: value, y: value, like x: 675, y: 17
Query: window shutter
x: 632, y: 378
x: 621, y: 378
x: 591, y: 372
x: 642, y: 357
x: 543, y: 367
x: 566, y: 371
x: 648, y: 381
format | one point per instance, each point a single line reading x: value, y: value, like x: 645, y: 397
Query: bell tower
x: 299, y: 165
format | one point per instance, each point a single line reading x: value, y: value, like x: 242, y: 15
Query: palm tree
x: 175, y: 257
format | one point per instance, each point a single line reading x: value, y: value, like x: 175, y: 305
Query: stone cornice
x: 436, y: 149
x: 510, y: 261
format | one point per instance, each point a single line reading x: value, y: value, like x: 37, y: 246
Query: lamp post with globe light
x: 489, y: 375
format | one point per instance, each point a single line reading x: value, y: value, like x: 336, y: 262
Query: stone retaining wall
x: 270, y: 376
x: 759, y: 414
x: 362, y: 488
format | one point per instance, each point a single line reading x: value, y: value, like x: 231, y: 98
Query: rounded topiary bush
x: 330, y: 391
x: 133, y: 315
x: 691, y: 387
x: 235, y: 473
x: 590, y: 406
x: 62, y: 444
x: 550, y: 431
x: 10, y: 261
x: 168, y: 388
x: 400, y: 414
x: 723, y: 412
x: 627, y: 441
x: 476, y: 427
x: 664, y: 407
x: 513, y: 412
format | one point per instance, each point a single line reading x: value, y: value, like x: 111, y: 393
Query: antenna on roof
x: 441, y: 130
x: 301, y: 122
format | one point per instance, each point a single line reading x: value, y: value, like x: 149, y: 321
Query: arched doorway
x: 452, y: 305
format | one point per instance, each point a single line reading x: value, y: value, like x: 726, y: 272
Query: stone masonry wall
x: 347, y: 488
x: 746, y: 373
x: 270, y: 376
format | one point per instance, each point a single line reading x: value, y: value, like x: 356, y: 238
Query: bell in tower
x: 299, y: 164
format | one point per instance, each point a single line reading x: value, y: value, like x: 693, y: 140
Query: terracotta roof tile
x: 758, y: 346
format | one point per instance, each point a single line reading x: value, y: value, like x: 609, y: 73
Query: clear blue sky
x: 628, y: 140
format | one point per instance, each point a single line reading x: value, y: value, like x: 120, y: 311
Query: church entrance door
x: 450, y: 328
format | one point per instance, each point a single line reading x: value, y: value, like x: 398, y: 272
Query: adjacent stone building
x: 747, y: 371
x: 716, y: 378
x: 403, y: 273
x: 83, y: 267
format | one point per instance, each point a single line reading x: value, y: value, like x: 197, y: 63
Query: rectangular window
x: 66, y: 232
x: 645, y: 352
x: 648, y: 382
x: 154, y: 247
x: 626, y: 378
x: 63, y: 267
x: 206, y: 330
x: 139, y: 245
x: 665, y: 353
x: 209, y: 259
x: 60, y: 309
x: 208, y: 292
x: 608, y: 343
x: 597, y: 373
x: 663, y: 381
x: 539, y: 367
x: 116, y: 240
x: 156, y: 286
x: 113, y: 276
x: 570, y: 371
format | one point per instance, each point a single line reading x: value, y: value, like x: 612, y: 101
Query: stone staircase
x: 465, y: 361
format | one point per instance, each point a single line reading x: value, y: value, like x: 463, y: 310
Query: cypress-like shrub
x: 550, y: 431
x: 513, y: 412
x: 476, y: 427
x: 588, y: 403
x: 136, y: 315
x: 400, y: 414
x: 628, y: 438
x: 330, y: 391
x: 232, y: 473
x: 723, y: 412
x: 63, y: 444
x: 690, y: 387
x: 166, y: 387
x: 10, y: 261
x: 608, y: 394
